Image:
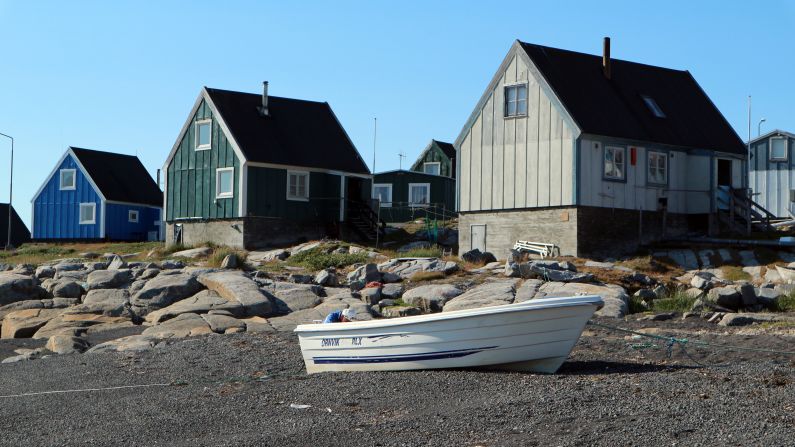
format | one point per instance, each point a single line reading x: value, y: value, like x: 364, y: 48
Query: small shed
x: 772, y: 172
x: 96, y: 195
x: 407, y: 195
x: 19, y: 231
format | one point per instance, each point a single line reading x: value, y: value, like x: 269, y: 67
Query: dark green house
x: 408, y: 195
x: 251, y: 170
x: 438, y: 158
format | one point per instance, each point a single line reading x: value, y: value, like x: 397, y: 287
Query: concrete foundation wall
x: 551, y: 225
x: 250, y: 232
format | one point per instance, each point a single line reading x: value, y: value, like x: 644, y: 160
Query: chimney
x: 606, y: 58
x: 263, y: 109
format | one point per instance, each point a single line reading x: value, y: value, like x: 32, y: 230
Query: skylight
x: 654, y: 108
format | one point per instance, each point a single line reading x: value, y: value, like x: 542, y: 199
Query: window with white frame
x: 658, y: 168
x: 297, y: 185
x: 224, y: 183
x: 88, y: 213
x: 132, y: 216
x: 778, y: 148
x: 654, y: 108
x: 68, y: 179
x: 419, y: 194
x: 383, y: 192
x: 615, y: 162
x: 204, y: 135
x: 432, y: 167
x: 516, y: 100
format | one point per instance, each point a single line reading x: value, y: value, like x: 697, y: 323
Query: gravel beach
x: 240, y: 389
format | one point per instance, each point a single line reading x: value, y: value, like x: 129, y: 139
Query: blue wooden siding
x: 118, y: 226
x: 57, y: 213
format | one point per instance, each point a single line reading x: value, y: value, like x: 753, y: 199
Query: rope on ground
x: 38, y: 393
x: 672, y: 341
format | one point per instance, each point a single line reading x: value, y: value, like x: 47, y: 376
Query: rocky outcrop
x: 203, y: 302
x: 163, y: 291
x: 108, y: 279
x: 288, y: 297
x: 25, y: 323
x: 75, y: 324
x: 237, y: 287
x: 615, y: 297
x: 14, y: 287
x: 432, y: 297
x: 492, y: 293
x: 193, y: 253
x: 66, y: 344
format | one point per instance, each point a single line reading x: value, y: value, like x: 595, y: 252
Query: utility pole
x: 10, y: 191
x: 375, y: 134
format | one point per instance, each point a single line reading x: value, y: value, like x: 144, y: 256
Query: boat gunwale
x: 535, y: 304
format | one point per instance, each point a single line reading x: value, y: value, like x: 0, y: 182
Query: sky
x: 122, y: 76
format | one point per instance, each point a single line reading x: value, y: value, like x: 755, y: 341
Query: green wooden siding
x: 267, y: 196
x: 191, y: 175
x: 442, y: 204
x: 435, y: 154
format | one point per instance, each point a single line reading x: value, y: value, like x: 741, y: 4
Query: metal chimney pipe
x: 158, y: 178
x: 606, y: 58
x: 264, y: 108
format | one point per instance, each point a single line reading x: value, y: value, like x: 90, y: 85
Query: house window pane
x: 432, y: 168
x: 516, y: 100
x: 224, y: 183
x: 298, y: 185
x: 384, y: 194
x: 658, y: 168
x: 778, y: 148
x: 614, y: 163
x: 87, y: 213
x: 132, y: 216
x: 67, y: 179
x: 203, y: 135
x: 419, y: 194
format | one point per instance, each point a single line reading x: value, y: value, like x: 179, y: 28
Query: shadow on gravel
x: 600, y: 367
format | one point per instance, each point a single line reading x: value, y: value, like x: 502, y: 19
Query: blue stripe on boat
x: 401, y: 357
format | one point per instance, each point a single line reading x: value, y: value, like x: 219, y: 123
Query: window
x: 615, y: 162
x: 67, y: 179
x: 778, y: 148
x: 224, y: 183
x: 383, y: 192
x: 88, y: 213
x: 516, y: 100
x: 658, y: 168
x: 654, y: 108
x: 419, y: 194
x: 132, y: 216
x: 297, y: 185
x: 432, y: 167
x: 204, y: 135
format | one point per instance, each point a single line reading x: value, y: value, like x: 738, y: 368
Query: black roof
x: 19, y: 231
x: 615, y: 107
x: 447, y: 148
x: 121, y: 178
x: 296, y: 132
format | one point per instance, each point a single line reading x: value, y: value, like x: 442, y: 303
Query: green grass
x: 735, y: 273
x: 430, y: 252
x: 426, y: 276
x: 676, y: 301
x: 219, y: 254
x: 786, y: 303
x: 777, y: 325
x: 319, y: 258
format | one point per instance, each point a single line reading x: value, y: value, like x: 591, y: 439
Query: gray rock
x: 109, y: 302
x: 748, y: 295
x: 694, y: 292
x: 67, y: 289
x: 660, y: 291
x: 15, y: 288
x: 550, y: 274
x: 703, y: 305
x: 236, y: 286
x: 528, y: 290
x: 392, y: 291
x: 399, y: 311
x: 67, y: 344
x: 163, y: 291
x: 493, y: 293
x: 184, y: 325
x: 24, y: 269
x: 193, y: 253
x: 133, y: 343
x: 475, y: 256
x: 389, y: 277
x: 327, y: 278
x: 615, y: 297
x: 148, y: 273
x: 259, y: 257
x: 108, y: 279
x: 734, y: 319
x: 295, y: 298
x: 768, y: 297
x: 229, y: 262
x: 45, y: 271
x: 300, y: 279
x: 699, y: 282
x: 727, y: 297
x: 222, y: 324
x: 25, y: 323
x: 371, y: 295
x: 203, y: 302
x: 367, y: 273
x: 432, y: 297
x: 171, y: 264
x: 66, y: 266
x: 645, y: 294
x: 116, y: 263
x: 386, y: 302
x: 658, y: 317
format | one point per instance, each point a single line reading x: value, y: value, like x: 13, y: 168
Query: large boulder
x: 259, y: 257
x: 203, y: 302
x: 237, y: 287
x: 67, y: 289
x: 185, y: 325
x: 392, y: 291
x: 492, y: 293
x: 615, y: 297
x: 528, y: 290
x: 25, y: 323
x: 199, y: 252
x: 108, y: 279
x: 367, y: 273
x: 728, y: 297
x: 432, y: 297
x: 109, y: 302
x: 327, y: 277
x: 133, y: 343
x: 475, y: 256
x: 288, y: 297
x: 224, y: 324
x: 163, y: 291
x: 44, y: 272
x: 116, y: 263
x: 14, y: 287
x: 744, y: 319
x: 75, y: 324
x: 768, y: 297
x: 66, y: 344
x: 406, y: 269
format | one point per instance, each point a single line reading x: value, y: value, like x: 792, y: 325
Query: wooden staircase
x: 738, y: 213
x: 364, y: 221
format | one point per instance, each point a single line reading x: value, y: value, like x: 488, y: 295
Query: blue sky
x: 122, y: 75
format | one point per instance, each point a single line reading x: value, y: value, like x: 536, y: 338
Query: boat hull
x: 536, y: 336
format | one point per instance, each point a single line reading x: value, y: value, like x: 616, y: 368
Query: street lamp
x: 10, y: 190
x: 759, y: 127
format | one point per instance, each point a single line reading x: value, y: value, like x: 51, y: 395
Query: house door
x: 724, y: 172
x: 478, y: 237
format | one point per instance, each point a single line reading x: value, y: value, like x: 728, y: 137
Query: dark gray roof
x: 296, y: 132
x: 615, y: 107
x: 120, y: 178
x: 19, y: 231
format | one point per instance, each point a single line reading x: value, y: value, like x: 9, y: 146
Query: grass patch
x: 218, y: 256
x: 426, y: 276
x: 38, y: 253
x: 778, y: 325
x: 430, y: 252
x: 735, y: 273
x: 318, y: 258
x: 648, y: 264
x: 636, y: 305
x: 677, y: 301
x: 786, y: 303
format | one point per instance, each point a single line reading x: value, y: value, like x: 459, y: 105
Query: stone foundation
x: 249, y: 232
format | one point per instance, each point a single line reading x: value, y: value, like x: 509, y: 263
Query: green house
x: 250, y: 170
x: 438, y: 158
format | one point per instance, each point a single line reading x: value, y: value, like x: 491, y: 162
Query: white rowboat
x: 535, y: 335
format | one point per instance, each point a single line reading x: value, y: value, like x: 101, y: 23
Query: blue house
x: 94, y: 195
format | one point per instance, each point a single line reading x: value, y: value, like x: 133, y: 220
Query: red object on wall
x: 633, y: 156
